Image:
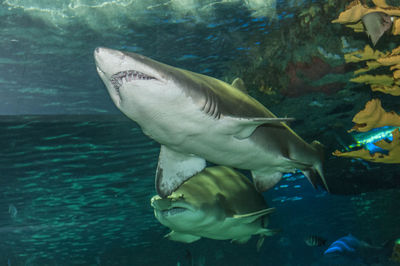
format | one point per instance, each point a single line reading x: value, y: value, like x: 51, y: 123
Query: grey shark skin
x: 218, y: 203
x: 197, y: 118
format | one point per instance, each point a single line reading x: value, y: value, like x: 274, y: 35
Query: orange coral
x: 374, y: 116
x: 392, y: 147
x: 389, y: 60
x: 396, y: 27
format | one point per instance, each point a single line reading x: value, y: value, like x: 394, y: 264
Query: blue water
x: 81, y: 189
x: 77, y: 176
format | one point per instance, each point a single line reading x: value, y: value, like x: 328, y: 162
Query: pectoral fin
x: 246, y: 126
x: 251, y: 217
x: 265, y: 181
x: 241, y: 240
x: 174, y: 168
x: 181, y: 237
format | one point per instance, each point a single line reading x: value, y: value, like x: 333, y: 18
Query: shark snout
x: 104, y: 56
x: 99, y: 51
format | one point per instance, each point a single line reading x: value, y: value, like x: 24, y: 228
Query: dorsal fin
x: 239, y: 84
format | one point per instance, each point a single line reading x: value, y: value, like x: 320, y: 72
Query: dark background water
x: 77, y: 176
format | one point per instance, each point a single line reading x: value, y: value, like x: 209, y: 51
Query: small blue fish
x: 343, y: 245
x: 352, y: 247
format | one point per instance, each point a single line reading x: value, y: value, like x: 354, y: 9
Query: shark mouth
x: 173, y: 211
x: 127, y: 76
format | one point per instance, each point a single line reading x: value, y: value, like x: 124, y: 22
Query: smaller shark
x: 218, y: 203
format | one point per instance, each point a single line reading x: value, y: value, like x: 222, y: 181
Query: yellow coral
x: 370, y: 65
x: 355, y: 11
x: 384, y: 80
x: 389, y: 60
x: 374, y: 116
x: 383, y: 83
x: 395, y: 51
x: 392, y: 90
x: 396, y: 27
x: 392, y: 147
x: 362, y: 55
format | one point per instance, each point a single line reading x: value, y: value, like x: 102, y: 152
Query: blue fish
x: 344, y: 245
x: 352, y: 247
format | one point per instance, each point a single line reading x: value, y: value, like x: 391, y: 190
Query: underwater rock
x: 302, y: 74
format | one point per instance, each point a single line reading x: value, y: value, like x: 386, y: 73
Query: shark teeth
x: 173, y: 211
x: 127, y: 76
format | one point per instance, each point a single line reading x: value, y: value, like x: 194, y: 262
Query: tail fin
x: 318, y: 166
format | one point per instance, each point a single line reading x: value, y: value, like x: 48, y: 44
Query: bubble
x: 12, y: 210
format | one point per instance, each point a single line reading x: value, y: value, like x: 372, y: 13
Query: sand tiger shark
x: 218, y: 203
x: 197, y: 118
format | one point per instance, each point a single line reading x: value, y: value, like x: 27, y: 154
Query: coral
x: 362, y: 55
x: 389, y: 60
x: 355, y: 11
x: 267, y: 90
x: 396, y: 251
x: 392, y: 90
x: 393, y: 149
x: 383, y: 83
x: 374, y: 21
x: 374, y: 116
x: 384, y: 80
x: 396, y: 27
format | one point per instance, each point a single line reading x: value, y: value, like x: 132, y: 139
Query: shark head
x: 149, y: 92
x: 179, y: 212
x: 140, y: 86
x: 127, y: 74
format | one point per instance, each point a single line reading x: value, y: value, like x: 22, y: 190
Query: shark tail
x: 317, y: 168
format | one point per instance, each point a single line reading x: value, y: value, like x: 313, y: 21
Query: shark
x: 198, y: 118
x: 217, y: 203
